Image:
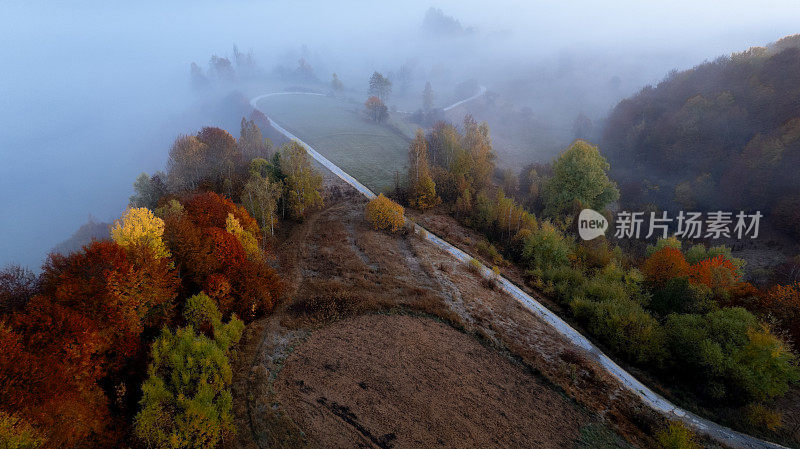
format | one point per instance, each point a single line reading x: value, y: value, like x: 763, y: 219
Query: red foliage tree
x: 717, y: 273
x: 214, y: 260
x: 49, y: 373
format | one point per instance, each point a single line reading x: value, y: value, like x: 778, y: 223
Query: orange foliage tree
x: 663, y: 265
x: 214, y: 259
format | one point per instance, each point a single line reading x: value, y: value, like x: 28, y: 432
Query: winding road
x: 700, y: 425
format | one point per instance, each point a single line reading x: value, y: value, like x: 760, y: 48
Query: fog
x: 93, y: 93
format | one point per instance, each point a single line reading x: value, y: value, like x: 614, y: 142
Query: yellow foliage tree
x: 383, y: 213
x: 139, y: 227
x: 246, y: 238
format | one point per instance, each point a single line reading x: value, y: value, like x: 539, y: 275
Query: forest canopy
x: 690, y: 141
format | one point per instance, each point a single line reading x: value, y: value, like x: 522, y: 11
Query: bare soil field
x: 405, y: 381
x: 386, y: 341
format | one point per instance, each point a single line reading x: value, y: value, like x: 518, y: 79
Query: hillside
x: 386, y: 341
x: 690, y: 141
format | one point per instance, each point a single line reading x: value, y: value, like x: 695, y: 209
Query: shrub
x: 564, y: 282
x: 677, y: 436
x: 384, y: 214
x: 474, y: 266
x: 782, y: 302
x: 679, y: 296
x: 718, y: 273
x: 731, y: 354
x: 489, y: 251
x: 624, y: 326
x: 546, y: 247
x: 594, y: 253
x: 761, y: 417
x: 698, y: 253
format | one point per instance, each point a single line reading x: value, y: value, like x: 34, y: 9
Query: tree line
x: 127, y: 342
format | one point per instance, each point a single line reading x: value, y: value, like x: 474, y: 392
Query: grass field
x: 371, y: 153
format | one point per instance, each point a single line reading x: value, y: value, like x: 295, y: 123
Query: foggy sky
x: 88, y: 89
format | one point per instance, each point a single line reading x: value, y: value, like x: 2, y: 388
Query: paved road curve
x: 721, y: 433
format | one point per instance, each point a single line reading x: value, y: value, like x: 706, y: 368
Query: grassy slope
x: 370, y: 152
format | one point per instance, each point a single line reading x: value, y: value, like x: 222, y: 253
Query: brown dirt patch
x: 404, y: 381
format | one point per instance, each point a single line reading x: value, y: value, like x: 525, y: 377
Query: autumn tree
x: 49, y: 374
x: 188, y: 164
x: 422, y: 189
x: 139, y: 227
x: 224, y: 158
x: 663, y: 265
x: 216, y: 260
x: 384, y: 214
x: 260, y: 197
x: 478, y: 156
x: 302, y: 183
x: 376, y: 110
x: 17, y: 285
x: 580, y: 173
x: 252, y: 143
x: 379, y: 86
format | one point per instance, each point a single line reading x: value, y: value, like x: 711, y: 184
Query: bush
x: 677, y: 436
x: 489, y: 251
x: 624, y: 326
x: 474, y: 266
x: 669, y: 242
x: 731, y: 355
x: 679, y: 296
x: 546, y: 247
x: 384, y: 214
x: 564, y: 282
x: 761, y: 417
